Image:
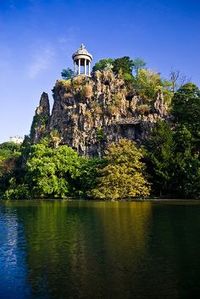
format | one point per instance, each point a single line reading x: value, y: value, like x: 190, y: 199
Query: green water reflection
x: 110, y: 250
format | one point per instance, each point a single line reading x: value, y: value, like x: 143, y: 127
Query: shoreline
x: 152, y: 200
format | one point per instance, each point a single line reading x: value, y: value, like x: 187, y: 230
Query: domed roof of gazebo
x: 82, y: 51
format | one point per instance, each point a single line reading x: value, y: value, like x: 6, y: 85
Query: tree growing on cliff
x: 148, y: 83
x: 122, y: 175
x: 103, y: 64
x: 67, y: 74
x: 124, y: 65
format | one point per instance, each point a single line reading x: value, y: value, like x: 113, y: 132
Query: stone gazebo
x: 82, y: 61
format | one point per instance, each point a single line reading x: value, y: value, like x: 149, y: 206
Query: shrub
x: 143, y: 109
x: 65, y: 83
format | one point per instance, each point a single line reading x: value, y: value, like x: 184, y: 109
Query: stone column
x: 79, y: 66
x: 85, y: 67
x: 89, y: 69
x: 74, y: 68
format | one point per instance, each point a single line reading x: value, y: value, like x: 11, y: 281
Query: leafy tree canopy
x: 9, y: 152
x: 148, y: 83
x: 50, y: 171
x: 173, y: 161
x: 9, y: 156
x: 123, y: 65
x: 186, y: 164
x: 103, y: 64
x: 186, y: 107
x: 122, y: 176
x: 8, y: 149
x: 67, y: 74
x: 160, y: 156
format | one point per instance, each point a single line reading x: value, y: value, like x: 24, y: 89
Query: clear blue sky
x: 37, y: 38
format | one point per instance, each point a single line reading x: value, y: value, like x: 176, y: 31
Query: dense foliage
x: 122, y: 175
x: 125, y: 65
x: 173, y: 149
x: 148, y: 84
x: 67, y: 74
x: 9, y: 156
x: 58, y: 172
x: 49, y: 172
x: 186, y: 108
x: 103, y: 64
x: 159, y: 157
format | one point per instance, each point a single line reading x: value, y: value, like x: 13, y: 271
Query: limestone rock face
x: 88, y: 113
x: 159, y: 105
x: 41, y: 119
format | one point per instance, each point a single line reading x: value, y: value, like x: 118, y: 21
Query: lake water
x: 85, y: 249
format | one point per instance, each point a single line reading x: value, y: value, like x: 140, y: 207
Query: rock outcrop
x: 88, y: 113
x: 41, y: 119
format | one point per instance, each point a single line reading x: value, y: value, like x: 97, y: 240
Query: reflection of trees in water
x: 126, y: 229
x: 52, y: 233
x: 84, y: 248
x: 110, y: 250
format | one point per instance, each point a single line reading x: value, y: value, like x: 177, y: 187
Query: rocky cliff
x: 90, y: 112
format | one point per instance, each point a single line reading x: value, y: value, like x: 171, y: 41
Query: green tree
x: 8, y: 150
x: 9, y: 156
x: 148, y: 83
x: 67, y: 74
x: 52, y: 171
x: 122, y: 176
x: 186, y: 164
x: 103, y: 64
x: 186, y: 107
x: 173, y: 162
x: 88, y: 175
x: 160, y: 158
x: 123, y: 65
x: 16, y: 191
